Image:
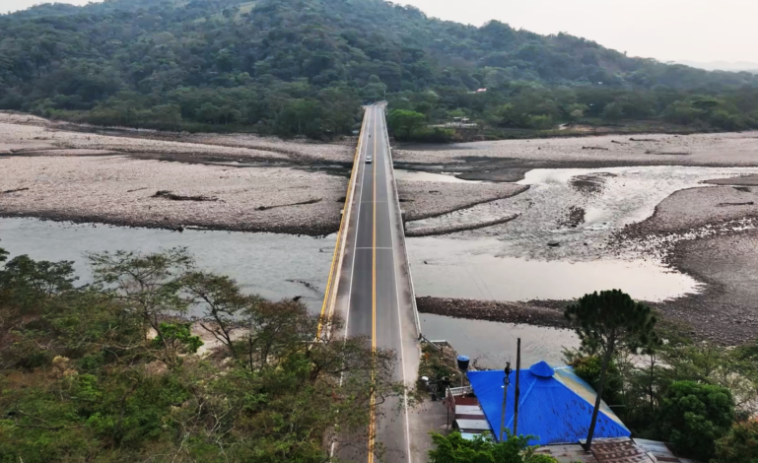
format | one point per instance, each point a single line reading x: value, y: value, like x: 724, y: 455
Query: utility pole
x: 518, y: 391
x: 506, y: 383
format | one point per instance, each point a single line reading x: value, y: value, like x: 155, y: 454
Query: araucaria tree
x: 606, y: 321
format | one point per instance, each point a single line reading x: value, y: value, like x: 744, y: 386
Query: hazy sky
x: 697, y: 30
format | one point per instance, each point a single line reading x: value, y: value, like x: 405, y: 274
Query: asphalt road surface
x: 374, y: 293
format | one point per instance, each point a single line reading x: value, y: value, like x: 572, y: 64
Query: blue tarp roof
x: 555, y: 409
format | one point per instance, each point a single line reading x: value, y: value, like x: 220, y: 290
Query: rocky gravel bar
x: 530, y: 313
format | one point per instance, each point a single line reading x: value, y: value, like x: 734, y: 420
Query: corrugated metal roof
x: 660, y: 451
x: 567, y: 453
x: 472, y: 425
x: 619, y: 451
x: 567, y: 376
x: 555, y: 409
x: 468, y: 410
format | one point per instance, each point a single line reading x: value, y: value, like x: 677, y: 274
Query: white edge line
x: 352, y: 268
x: 416, y: 317
x: 347, y: 209
x: 400, y: 318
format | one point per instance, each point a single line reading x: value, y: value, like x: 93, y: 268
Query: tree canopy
x: 694, y: 416
x: 302, y: 67
x: 606, y: 321
x: 453, y: 448
x: 108, y: 372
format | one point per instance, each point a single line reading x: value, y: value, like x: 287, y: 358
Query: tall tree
x: 605, y: 321
x: 405, y: 123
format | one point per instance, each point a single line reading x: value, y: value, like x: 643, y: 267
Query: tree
x: 483, y: 449
x: 605, y: 321
x: 87, y: 382
x: 613, y: 112
x: 740, y: 445
x: 150, y: 285
x: 405, y: 123
x: 694, y: 416
x: 589, y: 369
x: 221, y: 302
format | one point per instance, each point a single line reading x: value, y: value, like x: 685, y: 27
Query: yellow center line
x: 372, y: 425
x: 341, y: 233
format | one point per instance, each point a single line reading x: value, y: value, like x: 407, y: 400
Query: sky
x: 668, y: 30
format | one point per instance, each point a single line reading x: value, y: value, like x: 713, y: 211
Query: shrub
x: 740, y: 445
x: 693, y: 416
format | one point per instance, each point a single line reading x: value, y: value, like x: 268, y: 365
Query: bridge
x: 371, y: 287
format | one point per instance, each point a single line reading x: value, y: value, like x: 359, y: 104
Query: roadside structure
x: 555, y: 407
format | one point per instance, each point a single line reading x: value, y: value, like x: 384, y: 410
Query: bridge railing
x: 332, y: 285
x: 416, y: 318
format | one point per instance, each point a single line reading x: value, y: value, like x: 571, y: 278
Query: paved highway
x: 374, y: 292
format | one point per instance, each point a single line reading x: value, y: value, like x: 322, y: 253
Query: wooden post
x: 518, y: 375
x: 506, y: 382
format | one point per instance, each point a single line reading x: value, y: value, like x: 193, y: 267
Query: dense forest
x: 303, y: 67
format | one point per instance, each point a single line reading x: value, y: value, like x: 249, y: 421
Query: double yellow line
x: 327, y: 307
x: 372, y: 418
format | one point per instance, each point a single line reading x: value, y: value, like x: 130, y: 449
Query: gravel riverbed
x: 592, y: 199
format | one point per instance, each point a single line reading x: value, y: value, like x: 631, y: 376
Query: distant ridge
x: 736, y: 66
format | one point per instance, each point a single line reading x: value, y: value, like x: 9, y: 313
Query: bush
x: 724, y: 120
x: 694, y: 416
x: 740, y: 445
x: 483, y: 449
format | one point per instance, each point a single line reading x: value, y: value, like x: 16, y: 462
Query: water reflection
x: 469, y: 269
x: 493, y: 343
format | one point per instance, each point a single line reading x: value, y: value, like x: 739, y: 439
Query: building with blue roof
x: 555, y: 405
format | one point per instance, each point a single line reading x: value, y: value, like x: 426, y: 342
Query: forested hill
x: 287, y: 66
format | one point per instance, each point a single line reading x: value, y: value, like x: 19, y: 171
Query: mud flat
x: 697, y: 207
x: 710, y: 234
x: 424, y: 199
x: 726, y: 312
x: 241, y: 182
x: 508, y: 160
x: 136, y: 192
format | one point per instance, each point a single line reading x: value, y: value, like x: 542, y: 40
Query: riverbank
x: 508, y: 160
x: 146, y: 193
x: 677, y: 223
x: 174, y: 181
x: 529, y: 313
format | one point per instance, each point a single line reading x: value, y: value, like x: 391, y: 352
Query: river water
x: 492, y: 344
x: 272, y: 265
x: 514, y: 262
x: 510, y: 262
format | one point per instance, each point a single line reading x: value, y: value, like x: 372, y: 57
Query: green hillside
x: 303, y: 66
